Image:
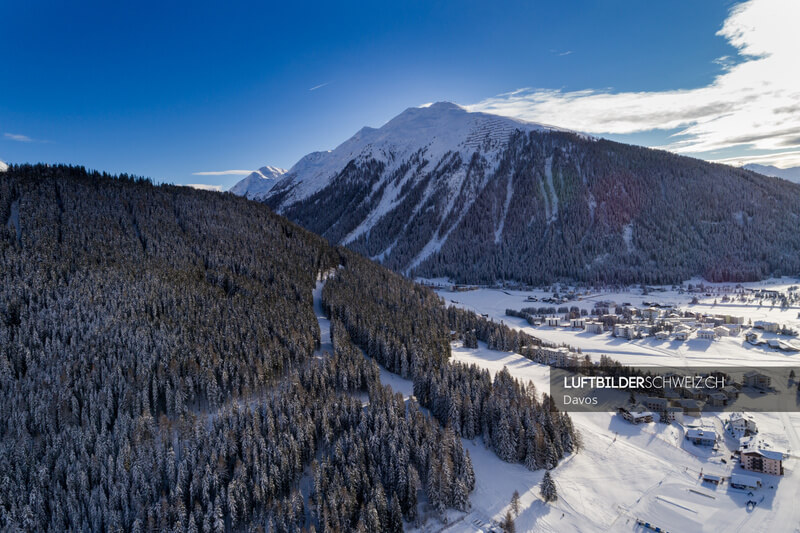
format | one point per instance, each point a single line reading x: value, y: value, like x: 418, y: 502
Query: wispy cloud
x: 204, y: 187
x: 17, y: 137
x: 780, y: 159
x: 223, y: 173
x: 320, y: 86
x: 752, y: 104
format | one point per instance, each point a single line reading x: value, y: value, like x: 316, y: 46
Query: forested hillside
x: 439, y: 191
x: 157, y: 371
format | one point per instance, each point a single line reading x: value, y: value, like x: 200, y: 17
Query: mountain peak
x: 258, y: 183
x: 441, y: 105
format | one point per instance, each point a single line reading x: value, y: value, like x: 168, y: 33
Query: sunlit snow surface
x: 626, y: 472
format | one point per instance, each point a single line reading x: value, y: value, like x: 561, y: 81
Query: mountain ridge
x: 790, y: 174
x: 441, y: 192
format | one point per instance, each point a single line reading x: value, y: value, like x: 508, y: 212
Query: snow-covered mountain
x: 440, y: 191
x: 258, y: 183
x: 791, y: 173
x: 3, y: 166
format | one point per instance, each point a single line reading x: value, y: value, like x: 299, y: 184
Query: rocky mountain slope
x: 439, y: 191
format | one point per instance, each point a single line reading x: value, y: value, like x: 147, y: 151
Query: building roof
x: 744, y: 479
x: 755, y: 445
x: 699, y: 433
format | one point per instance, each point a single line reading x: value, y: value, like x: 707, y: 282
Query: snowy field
x: 727, y: 351
x: 625, y: 472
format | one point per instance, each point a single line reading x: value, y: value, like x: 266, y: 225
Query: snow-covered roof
x: 699, y: 433
x: 756, y: 445
x: 744, y: 479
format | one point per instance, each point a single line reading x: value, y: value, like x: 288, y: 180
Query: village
x: 680, y: 459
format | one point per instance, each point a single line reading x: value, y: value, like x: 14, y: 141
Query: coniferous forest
x: 157, y: 371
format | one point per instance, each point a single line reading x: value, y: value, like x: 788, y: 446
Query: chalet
x: 671, y: 394
x: 594, y: 327
x: 757, y: 380
x: 751, y: 337
x: 758, y: 456
x: 672, y: 414
x: 741, y: 425
x: 733, y: 320
x: 636, y: 415
x: 551, y: 321
x: 651, y: 313
x: 718, y: 399
x: 695, y: 393
x: 691, y: 407
x: 730, y: 391
x: 626, y: 331
x: 771, y: 327
x: 559, y: 357
x: 656, y: 404
x: 733, y: 329
x: 724, y: 331
x: 707, y: 334
x: 681, y: 335
x: 662, y: 335
x: 610, y: 318
x: 701, y: 437
x: 745, y: 482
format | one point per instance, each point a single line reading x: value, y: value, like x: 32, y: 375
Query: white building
x: 741, y: 425
x: 594, y: 327
x: 681, y: 335
x: 577, y: 323
x: 701, y: 437
x: 708, y: 334
x: 772, y: 327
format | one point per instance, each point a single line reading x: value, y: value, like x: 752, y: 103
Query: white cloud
x: 779, y: 160
x: 17, y: 137
x: 754, y: 103
x: 223, y: 173
x: 320, y: 86
x: 204, y: 187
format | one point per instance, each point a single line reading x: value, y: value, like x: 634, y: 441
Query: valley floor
x: 627, y: 473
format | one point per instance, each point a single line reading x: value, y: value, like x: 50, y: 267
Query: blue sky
x: 166, y: 91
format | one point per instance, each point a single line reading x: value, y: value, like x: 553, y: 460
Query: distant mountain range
x: 442, y: 192
x: 258, y: 183
x: 791, y: 173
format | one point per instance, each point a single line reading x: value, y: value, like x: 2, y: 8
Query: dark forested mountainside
x: 156, y: 372
x: 536, y: 206
x: 511, y: 418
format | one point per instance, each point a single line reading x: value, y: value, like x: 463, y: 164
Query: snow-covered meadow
x: 626, y: 472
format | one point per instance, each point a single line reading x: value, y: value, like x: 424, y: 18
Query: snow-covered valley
x: 627, y: 475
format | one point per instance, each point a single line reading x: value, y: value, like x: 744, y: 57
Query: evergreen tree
x: 548, y: 488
